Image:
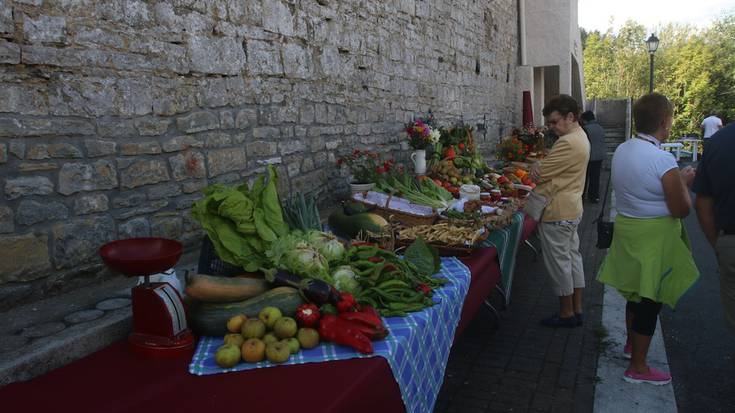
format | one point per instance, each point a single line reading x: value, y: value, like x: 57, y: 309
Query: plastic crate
x: 209, y: 262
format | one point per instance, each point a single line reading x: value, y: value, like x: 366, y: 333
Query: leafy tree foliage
x: 695, y: 68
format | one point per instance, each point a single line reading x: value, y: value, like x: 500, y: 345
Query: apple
x: 270, y: 338
x: 234, y: 324
x: 308, y: 337
x: 277, y: 352
x: 234, y: 339
x: 293, y: 344
x: 253, y: 350
x: 253, y: 329
x: 269, y: 316
x: 227, y: 356
x: 285, y: 327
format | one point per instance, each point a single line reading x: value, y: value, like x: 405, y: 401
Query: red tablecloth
x: 114, y: 380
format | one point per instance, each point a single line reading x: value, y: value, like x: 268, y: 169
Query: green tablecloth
x: 506, y: 241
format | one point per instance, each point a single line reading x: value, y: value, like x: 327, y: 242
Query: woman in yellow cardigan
x: 649, y: 261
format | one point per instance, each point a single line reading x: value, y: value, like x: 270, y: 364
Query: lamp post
x: 652, y: 44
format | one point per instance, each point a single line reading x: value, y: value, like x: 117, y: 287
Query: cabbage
x: 293, y: 253
x: 345, y: 279
x: 328, y: 245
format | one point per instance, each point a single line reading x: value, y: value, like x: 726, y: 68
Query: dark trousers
x: 593, y: 180
x: 645, y: 315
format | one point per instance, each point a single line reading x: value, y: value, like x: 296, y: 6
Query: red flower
x: 380, y: 170
x: 339, y: 161
x: 356, y: 152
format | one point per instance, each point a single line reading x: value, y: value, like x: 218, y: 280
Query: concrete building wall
x: 115, y: 114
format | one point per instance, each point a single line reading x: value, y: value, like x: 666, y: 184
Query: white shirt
x: 711, y: 124
x: 637, y: 167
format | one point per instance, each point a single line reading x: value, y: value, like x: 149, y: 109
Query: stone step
x: 42, y: 336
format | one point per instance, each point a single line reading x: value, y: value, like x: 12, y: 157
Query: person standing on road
x: 710, y: 125
x: 560, y: 177
x: 596, y: 136
x: 650, y: 261
x: 715, y: 205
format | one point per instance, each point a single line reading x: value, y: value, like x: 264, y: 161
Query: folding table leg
x: 536, y: 252
x: 497, y: 315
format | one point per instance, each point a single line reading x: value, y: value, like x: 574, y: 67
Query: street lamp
x: 652, y: 44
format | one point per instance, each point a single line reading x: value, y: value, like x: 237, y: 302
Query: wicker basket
x: 449, y: 250
x: 405, y: 218
x: 209, y: 262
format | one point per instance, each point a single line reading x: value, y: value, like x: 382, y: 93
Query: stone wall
x: 114, y: 114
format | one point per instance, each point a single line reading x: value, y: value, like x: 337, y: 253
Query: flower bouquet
x: 366, y: 167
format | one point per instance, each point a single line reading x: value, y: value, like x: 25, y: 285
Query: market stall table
x: 115, y: 380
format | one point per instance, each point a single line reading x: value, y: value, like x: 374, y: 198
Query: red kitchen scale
x: 159, y: 318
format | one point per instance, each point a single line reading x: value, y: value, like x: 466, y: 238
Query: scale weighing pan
x: 159, y: 316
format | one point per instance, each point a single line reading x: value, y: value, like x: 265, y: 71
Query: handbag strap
x: 604, y: 201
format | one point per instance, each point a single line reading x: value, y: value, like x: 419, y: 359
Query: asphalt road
x: 700, y: 348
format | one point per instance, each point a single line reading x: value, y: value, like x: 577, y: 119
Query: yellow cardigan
x: 562, y: 176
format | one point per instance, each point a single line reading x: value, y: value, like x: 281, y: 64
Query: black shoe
x: 580, y: 318
x: 556, y: 321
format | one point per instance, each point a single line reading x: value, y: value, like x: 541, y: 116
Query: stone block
x: 261, y: 148
x: 37, y: 166
x: 9, y: 52
x: 266, y: 132
x: 142, y: 172
x: 167, y: 227
x: 217, y: 140
x: 296, y: 61
x: 24, y: 99
x: 64, y: 150
x: 182, y: 143
x: 277, y: 18
x: 90, y: 204
x: 129, y: 200
x: 6, y: 220
x: 34, y: 250
x: 227, y: 119
x: 151, y: 126
x: 197, y: 122
x: 264, y: 58
x: 12, y: 126
x: 17, y: 148
x: 32, y: 212
x: 3, y: 153
x: 140, y: 148
x: 306, y: 114
x: 147, y: 208
x: 246, y: 118
x: 78, y: 177
x: 6, y: 17
x: 309, y: 182
x: 51, y: 29
x: 291, y: 146
x: 134, y: 228
x: 38, y: 152
x: 221, y: 161
x: 96, y: 147
x: 78, y: 241
x: 216, y: 55
x: 24, y: 186
x: 188, y: 165
x: 194, y: 186
x: 164, y: 191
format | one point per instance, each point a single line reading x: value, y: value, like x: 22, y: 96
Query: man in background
x: 710, y: 125
x: 596, y: 136
x: 715, y: 205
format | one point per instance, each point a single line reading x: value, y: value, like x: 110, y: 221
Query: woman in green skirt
x: 650, y: 261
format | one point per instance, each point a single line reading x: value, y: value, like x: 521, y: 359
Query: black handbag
x: 604, y: 228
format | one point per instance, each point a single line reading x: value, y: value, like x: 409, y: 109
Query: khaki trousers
x: 560, y: 249
x: 725, y: 249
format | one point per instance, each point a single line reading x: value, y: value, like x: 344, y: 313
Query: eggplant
x: 315, y: 291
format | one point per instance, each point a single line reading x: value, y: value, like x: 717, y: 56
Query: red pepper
x: 346, y: 303
x: 368, y: 322
x: 450, y: 153
x: 307, y: 315
x: 375, y: 260
x: 336, y: 330
x: 424, y: 288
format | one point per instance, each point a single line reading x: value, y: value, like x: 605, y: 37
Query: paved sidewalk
x: 521, y: 366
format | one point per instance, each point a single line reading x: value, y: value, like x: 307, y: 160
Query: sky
x: 595, y: 14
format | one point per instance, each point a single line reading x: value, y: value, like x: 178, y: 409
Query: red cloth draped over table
x: 115, y: 380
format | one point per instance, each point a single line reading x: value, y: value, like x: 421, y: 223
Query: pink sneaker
x: 655, y: 377
x: 627, y: 350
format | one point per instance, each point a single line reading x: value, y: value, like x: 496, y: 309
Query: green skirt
x: 651, y: 258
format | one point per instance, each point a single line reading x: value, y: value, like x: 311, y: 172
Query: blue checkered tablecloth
x: 506, y: 241
x: 417, y: 347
